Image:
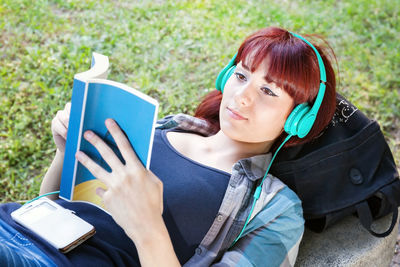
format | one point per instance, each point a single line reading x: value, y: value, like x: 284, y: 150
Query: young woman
x: 205, y: 200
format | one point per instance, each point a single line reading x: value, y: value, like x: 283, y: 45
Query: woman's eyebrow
x: 245, y: 67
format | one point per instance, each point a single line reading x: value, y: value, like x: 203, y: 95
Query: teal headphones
x: 302, y: 117
x: 298, y: 123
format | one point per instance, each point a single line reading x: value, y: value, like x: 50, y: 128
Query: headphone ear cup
x: 226, y: 77
x: 306, y: 124
x: 218, y: 81
x: 224, y: 74
x: 294, y: 119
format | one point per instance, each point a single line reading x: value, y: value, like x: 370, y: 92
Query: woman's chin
x: 233, y: 131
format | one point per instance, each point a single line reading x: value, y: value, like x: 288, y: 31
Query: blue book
x: 94, y: 99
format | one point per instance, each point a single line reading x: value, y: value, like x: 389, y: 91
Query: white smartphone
x: 57, y: 225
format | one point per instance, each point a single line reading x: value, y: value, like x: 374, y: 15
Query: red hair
x: 293, y: 66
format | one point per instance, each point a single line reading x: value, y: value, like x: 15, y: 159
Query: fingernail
x: 88, y: 134
x: 78, y: 155
x: 110, y: 122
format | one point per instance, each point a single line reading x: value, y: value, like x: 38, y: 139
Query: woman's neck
x: 218, y: 151
x: 222, y: 145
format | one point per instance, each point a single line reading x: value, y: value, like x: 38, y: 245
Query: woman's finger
x: 94, y: 168
x: 58, y: 128
x: 123, y: 143
x: 68, y: 108
x: 105, y: 151
x: 64, y: 118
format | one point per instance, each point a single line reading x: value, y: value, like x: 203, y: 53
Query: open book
x: 94, y: 99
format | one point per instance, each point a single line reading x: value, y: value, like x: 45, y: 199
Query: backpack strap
x: 365, y: 216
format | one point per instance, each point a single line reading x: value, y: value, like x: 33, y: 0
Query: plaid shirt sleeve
x: 273, y: 237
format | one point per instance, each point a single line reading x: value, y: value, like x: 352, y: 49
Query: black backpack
x: 348, y: 169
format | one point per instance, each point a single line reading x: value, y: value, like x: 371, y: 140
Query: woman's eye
x: 267, y: 91
x: 240, y: 76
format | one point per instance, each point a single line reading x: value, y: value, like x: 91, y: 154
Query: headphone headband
x: 302, y: 118
x: 320, y: 61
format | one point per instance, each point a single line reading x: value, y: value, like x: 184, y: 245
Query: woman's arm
x: 52, y: 178
x: 270, y: 241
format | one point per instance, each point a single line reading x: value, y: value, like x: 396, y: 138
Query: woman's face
x: 253, y: 110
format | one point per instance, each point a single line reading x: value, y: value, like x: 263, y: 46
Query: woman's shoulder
x: 280, y: 222
x: 288, y: 211
x: 287, y: 193
x: 285, y: 197
x: 279, y: 199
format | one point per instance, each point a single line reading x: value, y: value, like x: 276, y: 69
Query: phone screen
x: 36, y: 213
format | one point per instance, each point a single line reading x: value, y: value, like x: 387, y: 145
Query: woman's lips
x: 235, y: 115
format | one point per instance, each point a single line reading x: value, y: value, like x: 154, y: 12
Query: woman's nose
x: 244, y: 96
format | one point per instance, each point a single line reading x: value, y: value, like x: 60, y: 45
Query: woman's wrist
x: 60, y: 153
x: 153, y: 229
x: 52, y: 178
x: 155, y: 247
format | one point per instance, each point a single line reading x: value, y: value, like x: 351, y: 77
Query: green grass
x: 173, y: 51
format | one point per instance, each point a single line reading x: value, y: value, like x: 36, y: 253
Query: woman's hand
x: 134, y: 195
x: 59, y: 127
x: 134, y: 198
